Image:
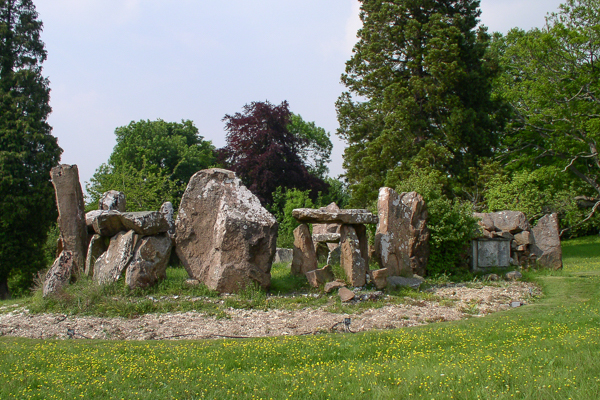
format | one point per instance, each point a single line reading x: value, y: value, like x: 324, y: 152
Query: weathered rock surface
x: 305, y: 256
x: 522, y: 238
x: 334, y: 256
x: 546, y: 242
x: 59, y: 274
x: 504, y: 221
x: 320, y: 276
x: 325, y: 237
x: 326, y: 229
x: 402, y: 236
x: 379, y: 277
x: 351, y: 259
x: 111, y: 265
x: 320, y: 216
x: 71, y: 212
x: 112, y: 200
x: 513, y: 276
x: 145, y: 222
x: 399, y: 281
x: 106, y: 223
x: 168, y: 213
x: 96, y: 248
x: 224, y: 237
x: 149, y: 262
x: 283, y: 255
x: 331, y: 286
x: 346, y: 294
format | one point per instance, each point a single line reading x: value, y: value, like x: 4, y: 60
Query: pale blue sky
x: 111, y: 62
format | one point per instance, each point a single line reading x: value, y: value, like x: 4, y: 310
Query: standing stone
x: 283, y: 255
x: 150, y: 261
x: 112, y: 200
x: 111, y: 265
x: 96, y: 248
x: 305, y: 256
x: 224, y: 237
x: 71, y: 213
x: 363, y: 242
x: 352, y: 261
x: 546, y: 242
x: 60, y: 273
x: 402, y: 236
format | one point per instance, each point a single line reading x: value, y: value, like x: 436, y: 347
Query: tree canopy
x: 551, y: 80
x: 152, y: 162
x: 265, y: 154
x: 28, y: 151
x: 315, y: 145
x: 419, y: 75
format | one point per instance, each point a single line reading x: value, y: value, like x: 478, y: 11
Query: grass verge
x: 547, y: 350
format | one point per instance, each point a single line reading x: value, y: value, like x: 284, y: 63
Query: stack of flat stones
x: 352, y: 236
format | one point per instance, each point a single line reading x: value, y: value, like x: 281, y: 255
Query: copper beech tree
x: 263, y: 152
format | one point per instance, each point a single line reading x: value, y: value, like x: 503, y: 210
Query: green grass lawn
x: 546, y: 350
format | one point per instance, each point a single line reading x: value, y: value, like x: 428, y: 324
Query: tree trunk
x: 4, y: 293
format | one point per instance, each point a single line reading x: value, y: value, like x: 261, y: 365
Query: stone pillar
x: 71, y: 213
x: 352, y: 261
x: 305, y: 256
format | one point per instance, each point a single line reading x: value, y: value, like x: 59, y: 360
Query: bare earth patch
x: 454, y: 303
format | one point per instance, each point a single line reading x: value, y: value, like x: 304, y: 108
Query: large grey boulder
x: 224, y: 237
x: 352, y: 259
x: 504, y: 221
x: 71, y: 213
x: 112, y: 263
x: 321, y: 216
x: 59, y: 274
x: 105, y: 223
x: 546, y: 242
x: 402, y: 236
x: 145, y: 222
x: 305, y: 256
x: 149, y: 262
x: 112, y: 200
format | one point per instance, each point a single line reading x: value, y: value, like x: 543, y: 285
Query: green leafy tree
x: 151, y: 163
x: 284, y: 202
x: 315, y: 145
x: 28, y: 151
x: 420, y: 73
x: 551, y: 80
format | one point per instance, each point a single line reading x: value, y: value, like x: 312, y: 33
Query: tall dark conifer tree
x: 27, y: 149
x: 418, y: 82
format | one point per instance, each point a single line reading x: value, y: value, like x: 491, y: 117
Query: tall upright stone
x: 402, y: 236
x: 71, y: 213
x: 305, y: 257
x: 224, y: 237
x: 149, y: 262
x: 546, y: 242
x: 352, y: 261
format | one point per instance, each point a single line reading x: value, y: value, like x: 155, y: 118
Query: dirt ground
x: 455, y: 302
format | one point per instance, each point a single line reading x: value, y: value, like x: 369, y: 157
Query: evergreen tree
x: 28, y: 151
x: 419, y: 81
